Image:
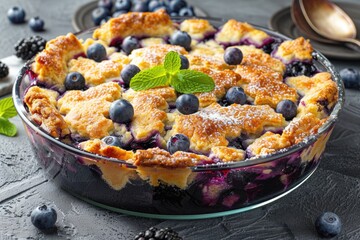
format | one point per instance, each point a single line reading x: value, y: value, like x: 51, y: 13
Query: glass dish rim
x: 320, y: 58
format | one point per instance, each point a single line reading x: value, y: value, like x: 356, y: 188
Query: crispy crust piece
x: 87, y: 111
x: 42, y: 105
x: 51, y: 64
x: 162, y: 158
x: 294, y: 50
x: 197, y: 28
x: 234, y: 32
x: 137, y: 24
x: 214, y: 125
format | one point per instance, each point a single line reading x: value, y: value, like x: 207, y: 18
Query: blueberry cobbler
x: 165, y: 96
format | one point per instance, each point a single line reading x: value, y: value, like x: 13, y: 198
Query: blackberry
x: 158, y: 234
x: 27, y: 48
x: 4, y: 70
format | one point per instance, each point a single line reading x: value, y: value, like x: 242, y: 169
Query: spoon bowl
x: 329, y: 21
x: 300, y: 21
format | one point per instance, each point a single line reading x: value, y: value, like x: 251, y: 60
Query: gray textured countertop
x: 335, y: 186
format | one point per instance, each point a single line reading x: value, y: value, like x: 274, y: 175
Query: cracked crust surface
x: 137, y: 24
x: 210, y: 130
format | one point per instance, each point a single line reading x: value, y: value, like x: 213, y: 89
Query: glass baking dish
x: 203, y: 191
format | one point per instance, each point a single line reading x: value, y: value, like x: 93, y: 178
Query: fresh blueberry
x: 104, y: 20
x: 184, y: 62
x: 182, y: 39
x: 121, y: 111
x: 43, y: 217
x: 108, y: 4
x: 99, y: 14
x: 74, y: 81
x: 129, y: 44
x: 236, y: 95
x: 176, y: 5
x: 96, y: 52
x: 128, y: 72
x: 112, y: 141
x: 328, y: 225
x: 350, y: 77
x: 36, y: 24
x: 287, y: 108
x: 187, y: 104
x: 118, y: 13
x: 16, y: 15
x: 140, y: 7
x: 233, y: 56
x: 123, y: 5
x: 187, y: 12
x: 178, y: 142
x: 154, y: 4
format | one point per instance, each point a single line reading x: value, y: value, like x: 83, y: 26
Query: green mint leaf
x: 7, y: 109
x: 149, y: 78
x: 172, y: 62
x: 191, y: 81
x: 7, y: 128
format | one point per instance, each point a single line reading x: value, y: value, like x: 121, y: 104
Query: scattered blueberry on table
x: 350, y: 77
x: 4, y: 70
x: 187, y: 104
x: 16, y: 15
x: 36, y: 24
x: 44, y: 217
x: 28, y: 47
x: 328, y: 225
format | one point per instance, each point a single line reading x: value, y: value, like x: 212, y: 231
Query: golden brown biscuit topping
x: 137, y: 24
x: 212, y: 129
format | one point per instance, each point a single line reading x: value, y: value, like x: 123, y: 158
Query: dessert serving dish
x: 137, y: 151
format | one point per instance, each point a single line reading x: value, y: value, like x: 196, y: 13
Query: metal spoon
x: 300, y: 21
x: 328, y: 20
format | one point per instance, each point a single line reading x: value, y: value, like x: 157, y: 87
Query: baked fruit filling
x: 267, y: 94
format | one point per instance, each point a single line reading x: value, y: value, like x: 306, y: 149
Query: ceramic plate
x: 281, y: 21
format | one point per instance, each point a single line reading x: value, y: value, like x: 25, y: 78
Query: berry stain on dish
x: 179, y: 118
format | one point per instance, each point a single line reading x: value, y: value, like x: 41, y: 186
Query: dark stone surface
x: 335, y: 186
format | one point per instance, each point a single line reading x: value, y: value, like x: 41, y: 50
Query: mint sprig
x: 7, y: 110
x: 183, y: 81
